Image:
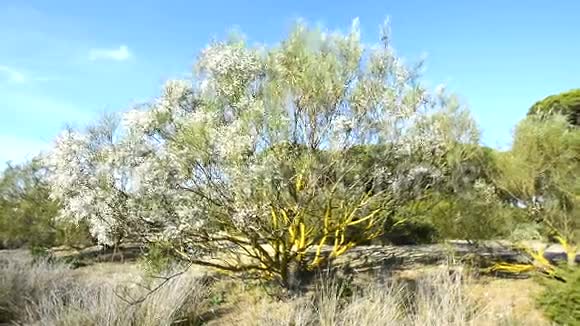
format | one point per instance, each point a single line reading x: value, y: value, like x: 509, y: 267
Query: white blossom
x: 138, y: 120
x: 232, y: 62
x: 204, y: 150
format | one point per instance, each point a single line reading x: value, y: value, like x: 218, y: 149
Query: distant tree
x: 566, y: 103
x: 27, y: 213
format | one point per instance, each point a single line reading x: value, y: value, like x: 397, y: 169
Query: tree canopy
x: 255, y: 153
x: 566, y: 103
x: 540, y: 173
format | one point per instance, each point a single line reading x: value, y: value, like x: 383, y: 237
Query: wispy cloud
x: 17, y: 76
x: 12, y: 74
x: 120, y: 54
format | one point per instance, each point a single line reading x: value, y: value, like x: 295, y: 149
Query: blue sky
x: 67, y: 61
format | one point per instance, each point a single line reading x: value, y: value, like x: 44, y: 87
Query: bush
x: 157, y: 259
x: 410, y: 233
x: 473, y: 218
x: 475, y: 214
x: 561, y: 301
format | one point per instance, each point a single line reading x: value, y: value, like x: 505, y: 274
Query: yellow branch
x: 274, y: 219
x: 285, y: 216
x: 349, y: 217
x: 570, y: 249
x: 344, y: 249
x: 512, y: 268
x: 316, y: 260
x: 302, y: 236
x: 292, y: 233
x: 371, y: 215
x: 327, y: 217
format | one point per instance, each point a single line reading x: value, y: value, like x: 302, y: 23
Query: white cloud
x: 13, y: 75
x: 16, y: 76
x: 120, y: 54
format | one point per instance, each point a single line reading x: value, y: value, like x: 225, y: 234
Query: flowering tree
x: 253, y: 165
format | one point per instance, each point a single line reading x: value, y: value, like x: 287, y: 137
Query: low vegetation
x: 43, y: 293
x: 438, y: 298
x: 561, y: 300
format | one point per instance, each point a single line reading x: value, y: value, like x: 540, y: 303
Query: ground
x: 233, y: 302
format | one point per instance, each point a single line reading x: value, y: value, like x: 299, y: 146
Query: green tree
x: 28, y: 215
x: 540, y: 174
x: 566, y: 103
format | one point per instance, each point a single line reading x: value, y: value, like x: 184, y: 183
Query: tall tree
x: 248, y: 166
x: 540, y: 173
x: 566, y: 103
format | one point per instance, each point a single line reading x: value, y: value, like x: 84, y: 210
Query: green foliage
x: 410, y: 232
x: 474, y: 214
x: 158, y: 258
x: 460, y: 208
x: 527, y: 231
x: 566, y: 103
x: 73, y: 235
x: 540, y: 174
x: 466, y: 205
x: 27, y: 214
x: 25, y: 210
x: 561, y: 301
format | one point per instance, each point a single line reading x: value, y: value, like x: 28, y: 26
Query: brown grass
x: 44, y: 293
x: 437, y: 298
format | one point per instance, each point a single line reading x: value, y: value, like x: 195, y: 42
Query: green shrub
x: 561, y: 301
x: 540, y: 174
x: 73, y: 235
x: 158, y: 258
x: 474, y: 218
x: 410, y: 233
x: 475, y: 214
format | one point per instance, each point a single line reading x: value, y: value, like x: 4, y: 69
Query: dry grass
x: 515, y: 296
x: 440, y: 298
x: 44, y: 293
